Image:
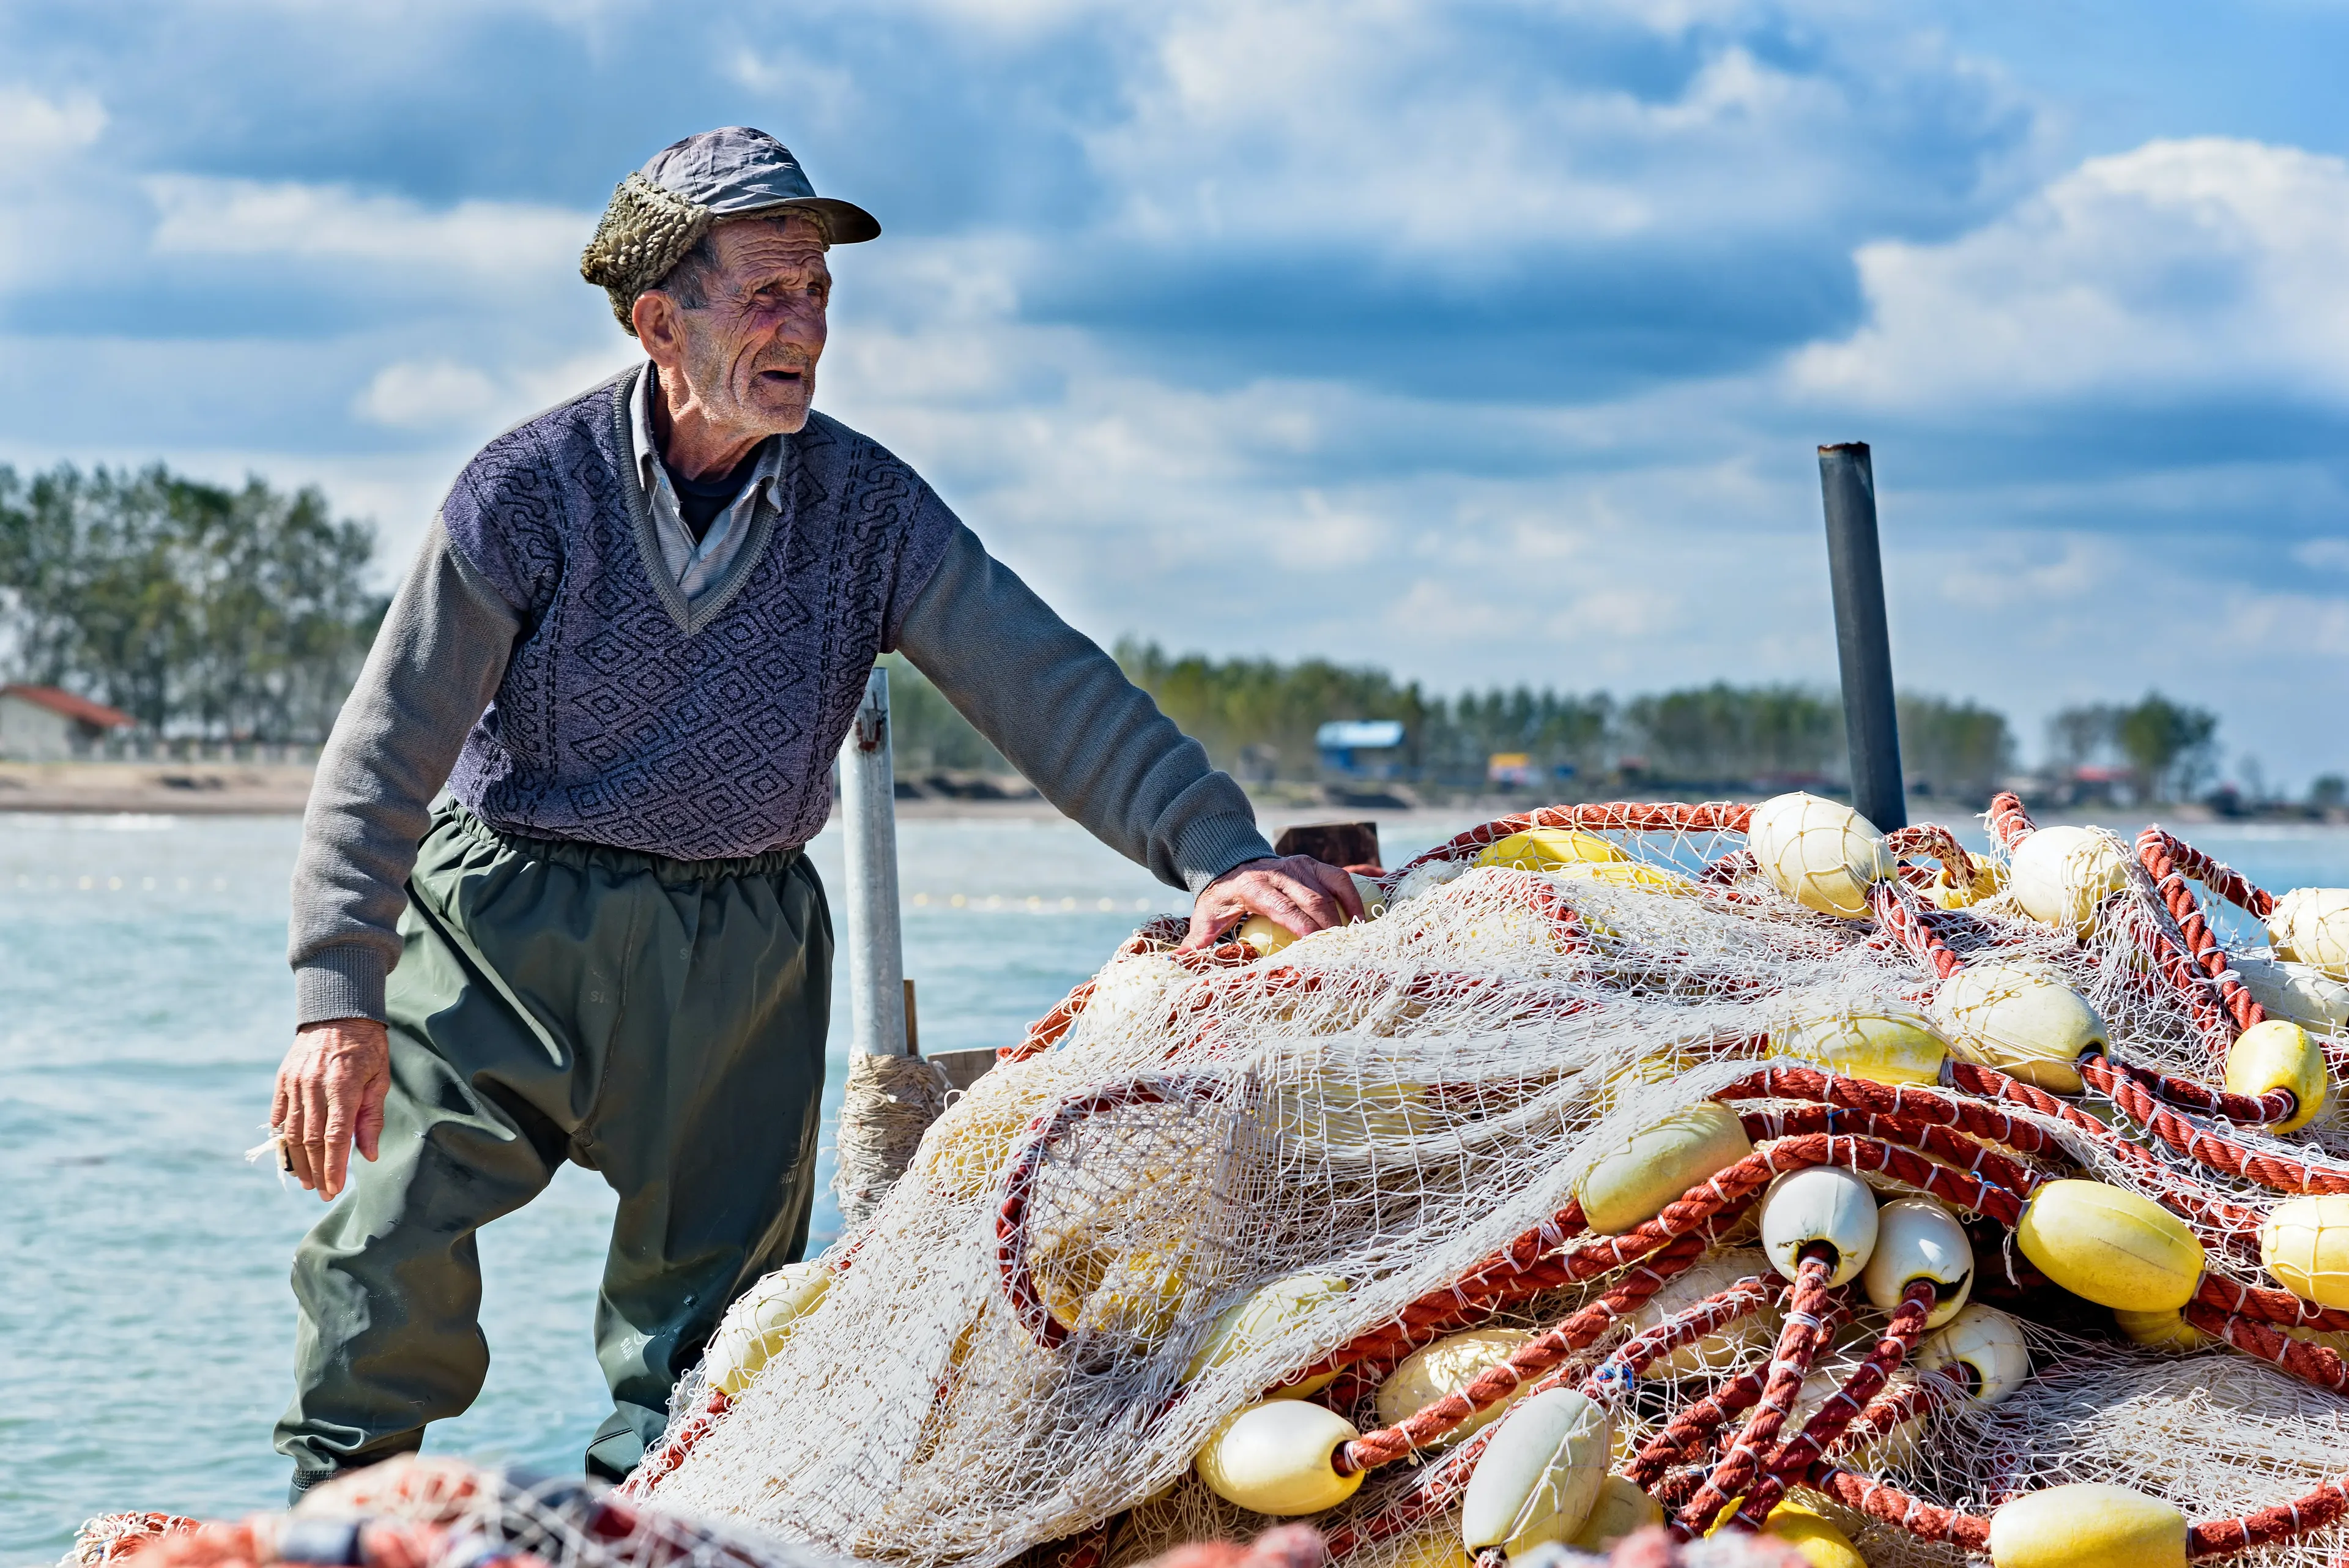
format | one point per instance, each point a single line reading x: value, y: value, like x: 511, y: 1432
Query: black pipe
x: 1871, y: 723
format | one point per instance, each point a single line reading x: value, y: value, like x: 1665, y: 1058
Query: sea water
x: 146, y: 1327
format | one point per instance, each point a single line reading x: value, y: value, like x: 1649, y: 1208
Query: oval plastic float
x: 1883, y: 1048
x: 2061, y: 876
x: 2279, y: 1054
x: 2088, y: 1526
x: 2110, y: 1246
x: 1275, y: 1459
x: 1631, y: 1183
x: 1539, y: 1474
x: 2017, y: 1016
x: 1447, y: 1367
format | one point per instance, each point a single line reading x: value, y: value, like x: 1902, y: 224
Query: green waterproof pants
x: 661, y: 1021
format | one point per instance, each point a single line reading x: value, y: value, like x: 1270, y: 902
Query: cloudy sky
x: 1489, y: 341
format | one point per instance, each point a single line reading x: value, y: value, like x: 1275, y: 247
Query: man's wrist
x: 336, y: 983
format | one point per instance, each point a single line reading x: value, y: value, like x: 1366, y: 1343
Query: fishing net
x: 1564, y: 1197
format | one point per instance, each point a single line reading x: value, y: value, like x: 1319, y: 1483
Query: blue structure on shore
x: 1341, y: 743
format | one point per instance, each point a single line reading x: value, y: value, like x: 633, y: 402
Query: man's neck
x: 689, y: 443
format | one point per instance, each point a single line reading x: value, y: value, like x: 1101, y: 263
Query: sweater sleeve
x: 434, y: 668
x: 1064, y: 714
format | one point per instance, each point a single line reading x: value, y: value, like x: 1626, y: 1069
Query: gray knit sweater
x: 538, y: 637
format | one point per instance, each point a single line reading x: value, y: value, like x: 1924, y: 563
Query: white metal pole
x: 868, y: 802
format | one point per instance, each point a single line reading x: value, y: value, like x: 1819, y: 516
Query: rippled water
x: 145, y: 1323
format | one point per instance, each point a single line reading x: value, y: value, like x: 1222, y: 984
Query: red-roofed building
x: 42, y: 724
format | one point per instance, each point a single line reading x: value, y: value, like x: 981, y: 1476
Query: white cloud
x: 2324, y: 555
x: 201, y: 215
x: 35, y: 127
x: 423, y: 395
x: 438, y: 395
x: 2179, y: 268
x: 1439, y: 131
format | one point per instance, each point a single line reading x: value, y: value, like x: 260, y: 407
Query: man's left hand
x: 1298, y: 893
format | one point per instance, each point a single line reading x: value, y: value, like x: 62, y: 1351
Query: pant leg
x: 389, y: 1284
x: 707, y: 1126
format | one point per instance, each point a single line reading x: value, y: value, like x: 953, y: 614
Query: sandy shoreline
x: 175, y: 789
x: 280, y: 789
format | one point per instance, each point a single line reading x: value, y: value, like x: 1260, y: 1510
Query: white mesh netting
x: 1392, y: 1123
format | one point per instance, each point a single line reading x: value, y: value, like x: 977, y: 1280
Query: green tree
x: 1953, y: 749
x: 1724, y: 735
x: 2079, y: 735
x: 2170, y: 748
x: 194, y: 608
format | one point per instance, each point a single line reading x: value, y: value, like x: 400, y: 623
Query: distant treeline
x: 243, y: 614
x: 196, y: 609
x: 1257, y: 718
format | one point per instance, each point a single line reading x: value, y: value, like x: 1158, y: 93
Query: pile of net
x: 1713, y: 1167
x: 1717, y: 1171
x: 445, y: 1513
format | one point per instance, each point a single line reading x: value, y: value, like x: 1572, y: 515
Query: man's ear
x: 654, y: 317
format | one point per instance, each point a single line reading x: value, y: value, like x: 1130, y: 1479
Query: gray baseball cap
x: 737, y: 172
x: 659, y: 213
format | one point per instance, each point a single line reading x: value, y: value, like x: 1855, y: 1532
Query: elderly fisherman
x: 552, y: 902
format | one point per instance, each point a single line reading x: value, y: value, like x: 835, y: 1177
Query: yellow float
x: 1271, y: 1310
x: 2015, y: 1015
x: 1444, y: 1369
x: 1823, y: 855
x: 2161, y: 1329
x: 1625, y: 874
x: 2110, y: 1246
x: 1631, y: 1183
x: 2061, y: 876
x: 1619, y: 1509
x: 2305, y: 1244
x: 1883, y: 1048
x: 1813, y: 1536
x: 2311, y: 925
x: 1275, y: 1458
x: 2088, y: 1526
x: 755, y: 1325
x: 2277, y: 1055
x: 1548, y: 848
x: 1539, y: 1474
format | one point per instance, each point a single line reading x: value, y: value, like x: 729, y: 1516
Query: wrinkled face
x: 747, y: 353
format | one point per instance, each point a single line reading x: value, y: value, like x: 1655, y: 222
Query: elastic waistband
x: 611, y: 857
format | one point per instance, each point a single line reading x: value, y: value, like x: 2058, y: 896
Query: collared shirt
x: 698, y: 564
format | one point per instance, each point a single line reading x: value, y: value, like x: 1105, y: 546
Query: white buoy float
x: 1819, y: 1206
x: 1987, y: 1345
x: 1822, y: 854
x: 2061, y: 876
x: 1919, y: 1239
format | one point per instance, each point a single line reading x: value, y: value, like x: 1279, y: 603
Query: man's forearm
x: 1063, y: 713
x: 435, y: 664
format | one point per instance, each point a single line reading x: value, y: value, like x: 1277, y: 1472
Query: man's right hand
x: 330, y: 1094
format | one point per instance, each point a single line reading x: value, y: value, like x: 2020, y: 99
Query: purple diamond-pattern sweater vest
x: 630, y: 719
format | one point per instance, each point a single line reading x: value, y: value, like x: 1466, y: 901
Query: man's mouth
x: 790, y: 376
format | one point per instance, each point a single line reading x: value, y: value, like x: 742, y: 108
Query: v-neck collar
x: 692, y: 615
